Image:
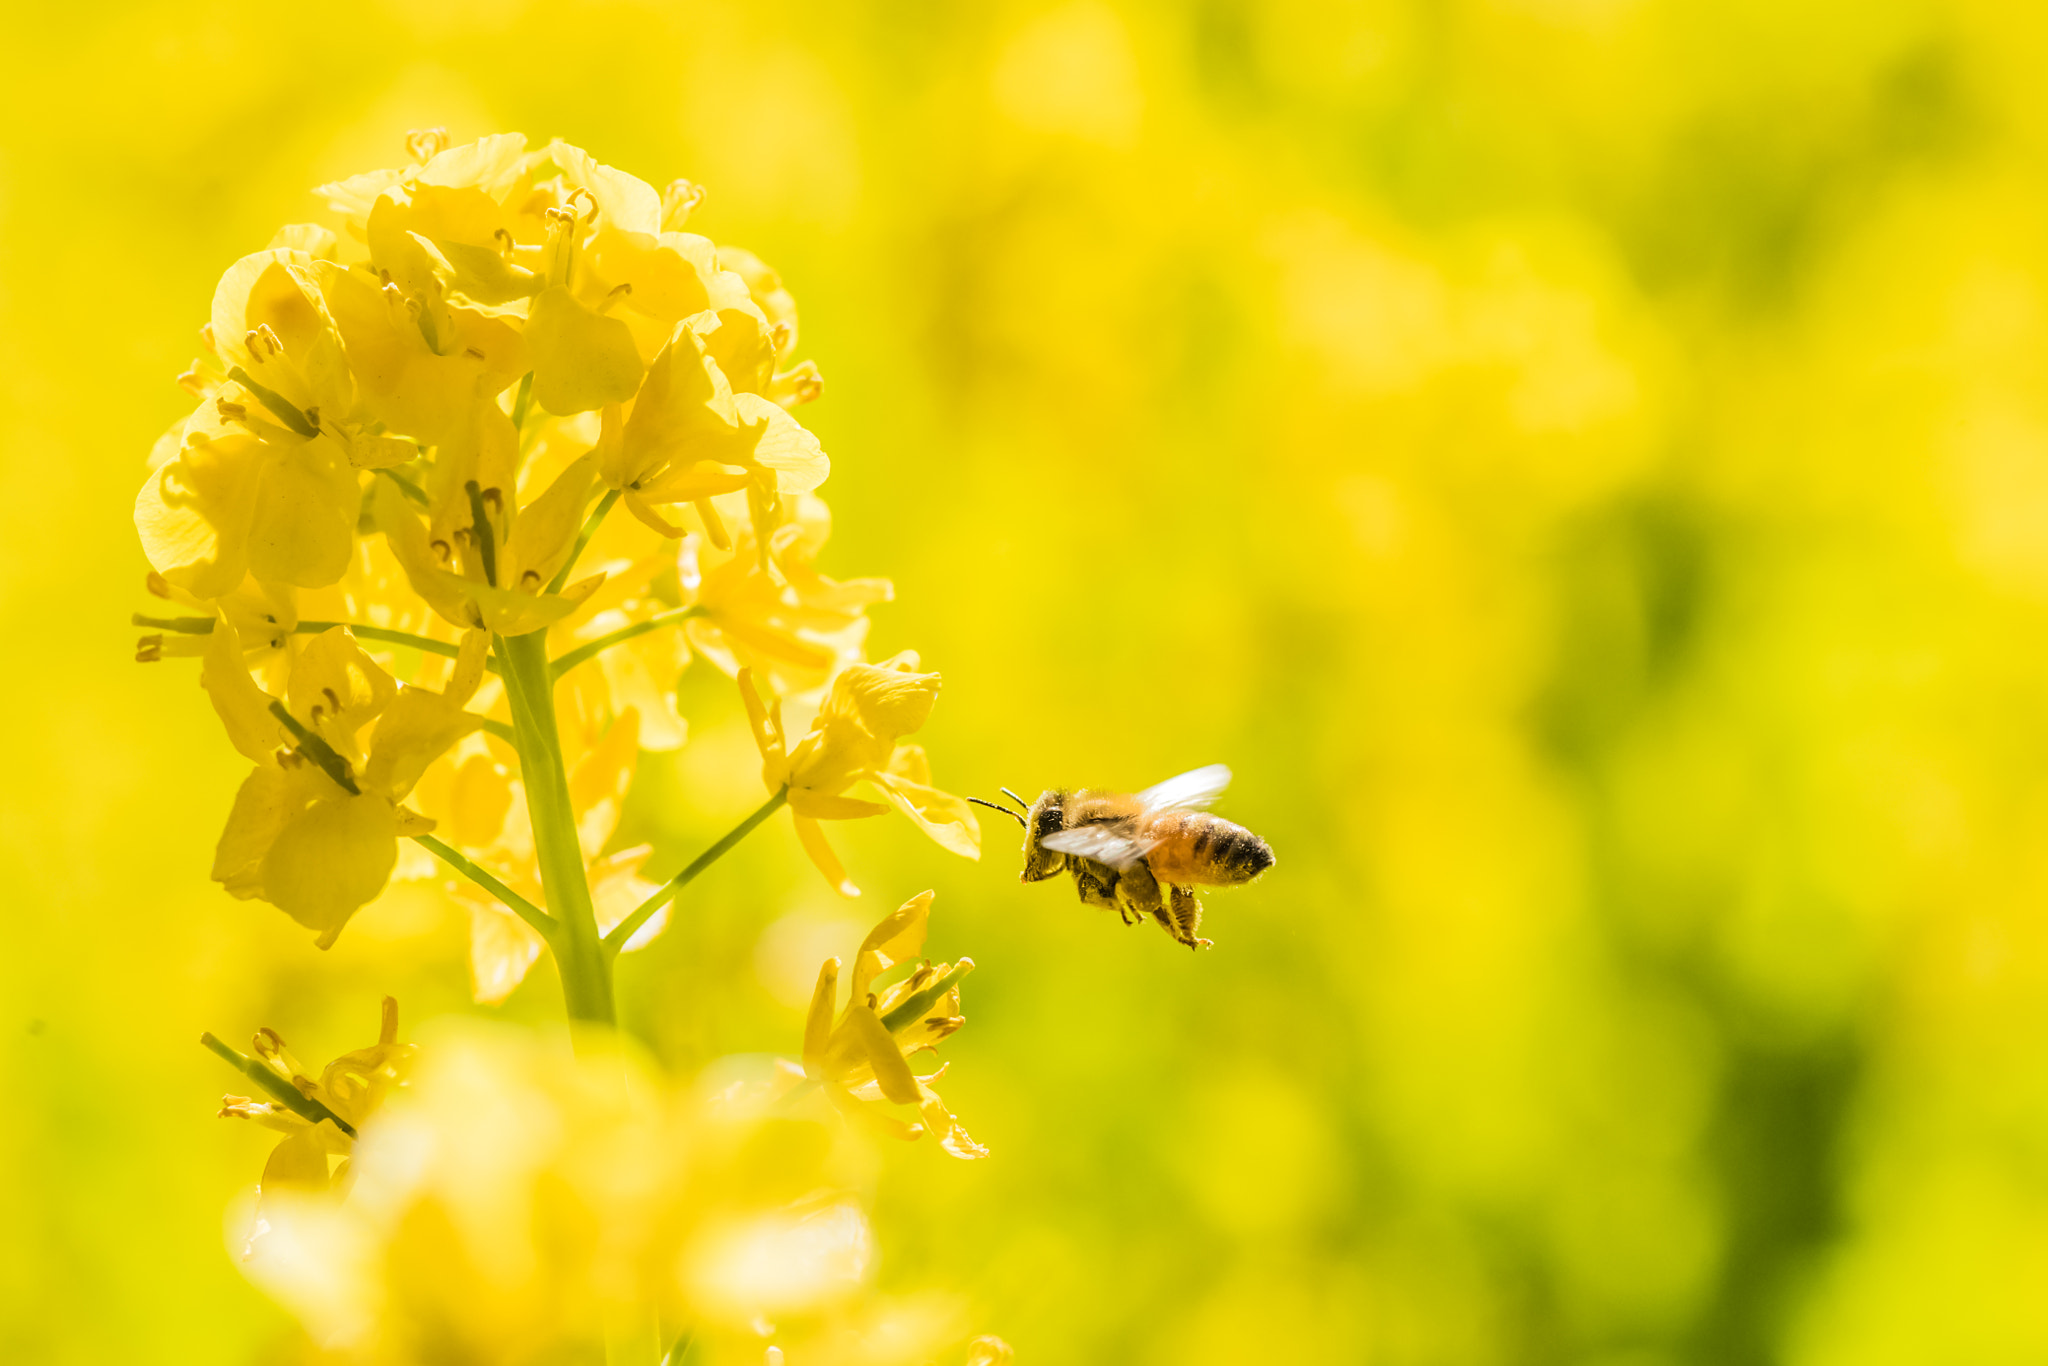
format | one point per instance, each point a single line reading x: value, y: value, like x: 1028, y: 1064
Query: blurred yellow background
x: 1584, y: 463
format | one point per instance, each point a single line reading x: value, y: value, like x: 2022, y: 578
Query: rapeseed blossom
x: 412, y: 424
x: 322, y: 1120
x: 865, y: 1055
x: 854, y: 739
x: 388, y: 530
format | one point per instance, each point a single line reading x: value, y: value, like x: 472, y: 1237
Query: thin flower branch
x: 591, y: 649
x: 590, y: 527
x: 517, y: 904
x: 625, y: 929
x: 276, y: 1087
x: 199, y: 626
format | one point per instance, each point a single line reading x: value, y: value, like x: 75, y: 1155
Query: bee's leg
x: 1096, y: 883
x: 1141, y: 890
x: 1186, y: 910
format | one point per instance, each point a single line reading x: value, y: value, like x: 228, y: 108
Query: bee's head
x: 1047, y: 815
x: 1039, y: 819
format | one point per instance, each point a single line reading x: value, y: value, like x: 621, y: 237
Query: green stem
x: 521, y: 403
x: 579, y: 952
x: 406, y: 486
x: 517, y: 904
x: 279, y: 1090
x: 592, y: 649
x: 590, y: 525
x: 626, y: 928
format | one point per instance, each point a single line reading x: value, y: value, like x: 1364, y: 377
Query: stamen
x: 618, y: 292
x: 510, y: 244
x: 261, y: 340
x: 424, y: 144
x: 149, y: 649
x: 156, y: 584
x: 192, y: 382
x: 443, y: 551
x: 332, y: 699
x: 233, y: 412
x: 678, y: 202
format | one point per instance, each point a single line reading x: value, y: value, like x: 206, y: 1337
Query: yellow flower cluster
x: 409, y: 430
x: 515, y: 1204
x: 391, y: 526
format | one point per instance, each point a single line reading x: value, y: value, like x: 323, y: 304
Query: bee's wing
x: 1102, y: 843
x: 1192, y: 791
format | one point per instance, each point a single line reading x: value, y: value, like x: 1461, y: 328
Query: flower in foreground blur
x: 350, y: 1090
x: 866, y: 1055
x: 514, y: 1198
x: 854, y: 739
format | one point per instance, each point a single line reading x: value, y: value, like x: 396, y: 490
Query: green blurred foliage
x: 1583, y: 462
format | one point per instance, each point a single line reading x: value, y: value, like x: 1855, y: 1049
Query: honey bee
x: 1140, y: 854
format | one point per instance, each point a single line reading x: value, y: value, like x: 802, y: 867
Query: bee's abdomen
x: 1200, y: 850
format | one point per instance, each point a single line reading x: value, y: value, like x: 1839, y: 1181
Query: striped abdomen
x: 1197, y: 849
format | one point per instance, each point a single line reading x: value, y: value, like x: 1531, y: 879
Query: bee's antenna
x: 1015, y: 798
x: 994, y: 806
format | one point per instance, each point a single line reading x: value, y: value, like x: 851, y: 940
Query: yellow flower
x: 315, y: 828
x: 491, y: 567
x: 243, y: 496
x: 989, y: 1350
x: 518, y: 1197
x: 695, y: 432
x: 865, y: 1056
x: 350, y: 1090
x: 789, y: 624
x: 854, y: 739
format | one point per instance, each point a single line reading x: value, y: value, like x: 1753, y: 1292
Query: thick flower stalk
x: 411, y: 431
